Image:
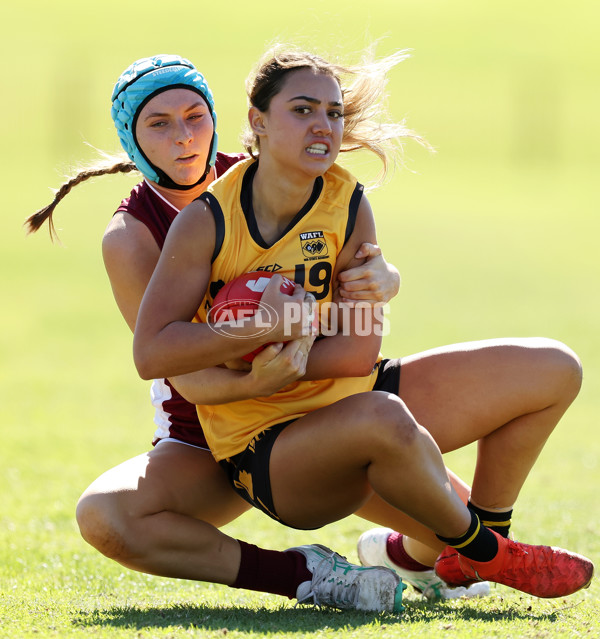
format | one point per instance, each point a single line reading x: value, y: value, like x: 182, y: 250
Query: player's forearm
x: 184, y: 347
x: 342, y: 356
x: 212, y: 386
x: 220, y: 385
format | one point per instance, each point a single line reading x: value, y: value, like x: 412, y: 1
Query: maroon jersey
x: 174, y: 416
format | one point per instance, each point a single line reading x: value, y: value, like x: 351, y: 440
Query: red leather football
x: 240, y: 298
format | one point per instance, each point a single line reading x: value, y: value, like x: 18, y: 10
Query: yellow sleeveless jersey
x: 306, y: 253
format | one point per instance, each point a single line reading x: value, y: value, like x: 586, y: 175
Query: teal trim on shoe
x: 398, y: 607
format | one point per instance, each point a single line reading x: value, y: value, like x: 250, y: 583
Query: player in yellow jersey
x: 160, y: 107
x: 307, y: 252
x: 326, y: 453
x: 158, y: 512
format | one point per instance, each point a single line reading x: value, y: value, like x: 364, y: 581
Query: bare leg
x: 364, y: 443
x: 419, y: 541
x: 146, y: 514
x: 506, y: 394
x: 511, y: 393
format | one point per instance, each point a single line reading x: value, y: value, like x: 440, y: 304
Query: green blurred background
x: 496, y: 234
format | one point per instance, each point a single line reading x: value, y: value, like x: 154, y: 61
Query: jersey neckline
x: 248, y: 208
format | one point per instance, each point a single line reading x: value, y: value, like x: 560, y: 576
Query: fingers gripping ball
x: 240, y: 299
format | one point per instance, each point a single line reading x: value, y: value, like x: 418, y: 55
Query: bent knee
x: 102, y: 525
x: 390, y: 421
x: 566, y: 366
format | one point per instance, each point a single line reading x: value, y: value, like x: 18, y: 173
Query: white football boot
x: 372, y: 552
x: 340, y: 584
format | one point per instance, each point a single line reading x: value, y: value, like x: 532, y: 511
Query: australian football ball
x: 240, y: 298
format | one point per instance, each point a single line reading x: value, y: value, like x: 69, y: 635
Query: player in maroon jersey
x: 159, y: 512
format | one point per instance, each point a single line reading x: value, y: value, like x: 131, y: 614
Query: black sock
x: 500, y: 522
x: 478, y: 543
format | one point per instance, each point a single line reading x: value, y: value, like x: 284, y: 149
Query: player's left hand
x: 375, y: 281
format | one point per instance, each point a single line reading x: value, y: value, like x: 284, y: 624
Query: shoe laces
x: 327, y: 589
x: 516, y: 548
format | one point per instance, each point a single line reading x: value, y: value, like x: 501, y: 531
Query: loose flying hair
x: 366, y: 124
x: 112, y: 164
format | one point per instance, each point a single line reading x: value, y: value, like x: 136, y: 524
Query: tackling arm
x: 348, y: 353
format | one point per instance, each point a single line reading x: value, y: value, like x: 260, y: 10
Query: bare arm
x: 130, y: 255
x: 273, y: 368
x: 343, y: 355
x: 166, y: 342
x: 348, y: 354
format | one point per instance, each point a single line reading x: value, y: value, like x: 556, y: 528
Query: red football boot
x: 447, y: 567
x: 542, y: 571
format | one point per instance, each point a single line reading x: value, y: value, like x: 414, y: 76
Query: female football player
x: 319, y: 449
x: 158, y: 512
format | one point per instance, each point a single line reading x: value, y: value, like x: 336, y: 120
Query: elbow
x: 143, y: 361
x: 360, y: 357
x: 364, y: 368
x: 369, y: 358
x: 361, y: 365
x: 144, y: 369
x: 145, y: 374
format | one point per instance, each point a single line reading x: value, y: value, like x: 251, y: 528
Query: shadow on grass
x: 306, y: 619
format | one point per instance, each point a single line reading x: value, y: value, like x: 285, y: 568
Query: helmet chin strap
x: 167, y: 182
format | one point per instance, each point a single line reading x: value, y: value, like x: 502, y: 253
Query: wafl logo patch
x: 313, y: 245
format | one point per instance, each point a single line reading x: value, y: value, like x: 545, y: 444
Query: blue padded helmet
x: 138, y: 84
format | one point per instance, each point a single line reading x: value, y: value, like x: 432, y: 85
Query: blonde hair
x: 366, y: 124
x: 110, y: 165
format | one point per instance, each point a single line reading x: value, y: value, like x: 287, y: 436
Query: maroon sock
x: 279, y: 573
x: 397, y: 553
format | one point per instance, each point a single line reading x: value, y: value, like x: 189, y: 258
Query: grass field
x: 496, y: 234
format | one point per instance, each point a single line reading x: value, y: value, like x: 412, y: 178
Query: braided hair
x: 109, y: 167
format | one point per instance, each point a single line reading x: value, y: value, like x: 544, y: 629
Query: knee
x: 567, y: 369
x: 391, y: 424
x: 101, y: 524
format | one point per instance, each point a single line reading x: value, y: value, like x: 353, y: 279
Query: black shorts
x: 248, y: 471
